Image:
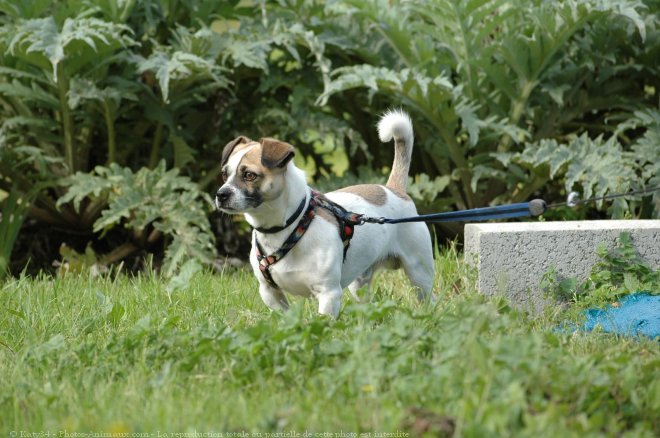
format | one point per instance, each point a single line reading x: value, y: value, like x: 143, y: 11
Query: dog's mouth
x: 223, y: 208
x: 229, y: 209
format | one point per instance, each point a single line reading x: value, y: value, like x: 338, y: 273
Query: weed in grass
x: 122, y: 353
x: 620, y: 271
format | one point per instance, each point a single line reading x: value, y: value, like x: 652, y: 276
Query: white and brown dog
x: 305, y: 237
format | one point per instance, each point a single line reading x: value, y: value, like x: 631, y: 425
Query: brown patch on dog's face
x: 255, y: 177
x: 253, y: 173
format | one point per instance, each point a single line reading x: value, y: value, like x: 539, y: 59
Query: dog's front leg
x: 273, y: 298
x: 329, y: 300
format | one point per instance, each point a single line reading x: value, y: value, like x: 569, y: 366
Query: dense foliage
x: 510, y: 99
x: 516, y: 94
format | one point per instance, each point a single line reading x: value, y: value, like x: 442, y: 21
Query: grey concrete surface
x: 511, y: 258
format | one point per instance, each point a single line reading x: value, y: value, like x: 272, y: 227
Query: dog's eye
x: 249, y: 176
x: 224, y: 176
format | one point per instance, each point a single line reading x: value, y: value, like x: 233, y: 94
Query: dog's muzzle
x: 222, y: 196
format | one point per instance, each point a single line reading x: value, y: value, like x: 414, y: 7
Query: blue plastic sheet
x: 637, y: 314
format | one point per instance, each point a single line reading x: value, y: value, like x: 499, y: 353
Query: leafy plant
x: 107, y: 101
x: 595, y: 166
x: 77, y: 75
x: 492, y: 85
x: 60, y: 52
x: 185, y: 73
x: 498, y: 79
x: 623, y: 269
x: 151, y: 203
x: 95, y: 83
x: 46, y: 138
x: 14, y: 211
x: 619, y: 272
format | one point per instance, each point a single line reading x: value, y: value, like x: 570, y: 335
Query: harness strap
x: 266, y: 261
x: 346, y: 220
x: 264, y: 264
x: 289, y: 221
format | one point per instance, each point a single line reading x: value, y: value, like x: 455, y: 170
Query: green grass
x: 120, y: 354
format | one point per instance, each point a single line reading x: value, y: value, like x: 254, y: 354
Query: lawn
x: 123, y: 355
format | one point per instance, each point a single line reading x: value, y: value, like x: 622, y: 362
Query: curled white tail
x: 396, y: 124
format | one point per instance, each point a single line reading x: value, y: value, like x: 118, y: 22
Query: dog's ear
x: 275, y: 153
x: 226, y: 152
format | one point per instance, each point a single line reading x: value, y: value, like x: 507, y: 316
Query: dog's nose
x: 222, y: 194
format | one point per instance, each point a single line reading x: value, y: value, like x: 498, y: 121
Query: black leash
x: 573, y: 200
x: 533, y: 208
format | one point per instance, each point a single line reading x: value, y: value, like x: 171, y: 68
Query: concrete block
x: 511, y: 258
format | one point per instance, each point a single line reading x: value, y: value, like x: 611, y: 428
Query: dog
x: 310, y: 244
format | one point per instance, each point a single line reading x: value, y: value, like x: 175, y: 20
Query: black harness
x: 346, y: 220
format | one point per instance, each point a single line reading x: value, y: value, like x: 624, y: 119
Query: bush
x: 517, y: 98
x: 86, y: 85
x: 510, y: 100
x: 155, y: 202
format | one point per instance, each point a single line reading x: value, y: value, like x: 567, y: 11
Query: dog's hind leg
x: 273, y: 298
x: 420, y: 272
x: 417, y: 261
x: 360, y: 282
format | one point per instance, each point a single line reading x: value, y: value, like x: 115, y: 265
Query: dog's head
x: 252, y: 172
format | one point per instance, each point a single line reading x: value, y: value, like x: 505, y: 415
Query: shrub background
x: 112, y: 111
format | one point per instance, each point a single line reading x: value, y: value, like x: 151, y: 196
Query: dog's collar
x: 289, y: 221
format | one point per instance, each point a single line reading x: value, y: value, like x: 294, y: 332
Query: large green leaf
x: 411, y: 84
x: 595, y: 167
x: 82, y: 90
x: 80, y: 41
x: 31, y: 94
x: 179, y: 70
x: 155, y: 197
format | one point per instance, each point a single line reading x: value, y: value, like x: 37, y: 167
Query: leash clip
x: 372, y: 220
